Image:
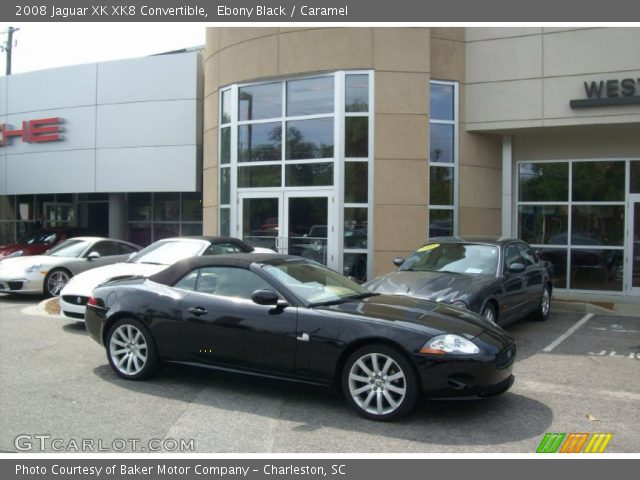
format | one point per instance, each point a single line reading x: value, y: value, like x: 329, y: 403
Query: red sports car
x: 34, y: 243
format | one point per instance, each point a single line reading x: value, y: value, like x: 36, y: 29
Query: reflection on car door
x: 514, y: 300
x: 224, y: 327
x: 534, y: 275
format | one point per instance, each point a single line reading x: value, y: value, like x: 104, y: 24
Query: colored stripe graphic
x: 598, y: 443
x: 550, y: 443
x: 574, y: 443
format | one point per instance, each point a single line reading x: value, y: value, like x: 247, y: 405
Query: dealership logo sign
x: 40, y: 130
x: 574, y: 443
x: 604, y: 93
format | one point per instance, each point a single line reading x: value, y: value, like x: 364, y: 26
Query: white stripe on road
x: 568, y: 333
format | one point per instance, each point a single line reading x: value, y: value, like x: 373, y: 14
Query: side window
x: 125, y: 249
x: 528, y: 256
x: 188, y: 282
x: 511, y: 255
x: 230, y: 282
x: 220, y: 248
x: 106, y: 249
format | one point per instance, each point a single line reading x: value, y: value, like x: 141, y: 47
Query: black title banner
x: 286, y: 11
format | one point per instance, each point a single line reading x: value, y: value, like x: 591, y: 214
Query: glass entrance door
x: 60, y: 214
x: 634, y: 243
x: 294, y: 223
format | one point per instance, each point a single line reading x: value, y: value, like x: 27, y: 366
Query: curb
x: 618, y: 309
x: 49, y: 308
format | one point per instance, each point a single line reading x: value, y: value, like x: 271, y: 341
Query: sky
x: 47, y: 45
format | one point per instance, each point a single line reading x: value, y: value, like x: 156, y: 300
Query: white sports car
x: 48, y: 274
x: 150, y: 260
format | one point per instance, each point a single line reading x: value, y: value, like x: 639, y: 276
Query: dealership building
x: 350, y: 146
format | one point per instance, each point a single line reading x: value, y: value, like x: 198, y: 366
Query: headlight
x: 450, y: 345
x: 33, y: 268
x: 460, y: 304
x: 17, y: 253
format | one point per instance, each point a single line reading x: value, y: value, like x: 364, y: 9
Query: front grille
x: 75, y: 299
x: 74, y: 315
x: 15, y: 285
x: 506, y: 357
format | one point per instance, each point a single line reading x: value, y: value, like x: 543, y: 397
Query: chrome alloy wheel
x: 56, y: 281
x: 545, y: 302
x: 377, y: 384
x: 128, y: 349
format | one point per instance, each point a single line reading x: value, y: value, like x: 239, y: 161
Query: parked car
x: 150, y: 260
x: 289, y: 317
x: 48, y: 274
x: 35, y: 243
x: 501, y: 279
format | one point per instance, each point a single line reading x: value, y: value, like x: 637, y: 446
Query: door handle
x: 303, y: 338
x: 197, y: 311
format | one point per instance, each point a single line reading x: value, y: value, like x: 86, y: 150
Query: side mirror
x: 398, y: 261
x: 516, y: 267
x: 93, y: 255
x: 265, y: 297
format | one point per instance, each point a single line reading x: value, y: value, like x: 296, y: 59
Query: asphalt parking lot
x: 56, y: 383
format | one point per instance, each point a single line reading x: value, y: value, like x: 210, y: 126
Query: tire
x: 544, y: 307
x: 489, y: 313
x: 55, y: 281
x: 382, y: 397
x: 131, y: 350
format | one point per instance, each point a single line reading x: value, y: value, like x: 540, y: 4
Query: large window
x: 299, y: 133
x: 573, y: 212
x: 443, y: 158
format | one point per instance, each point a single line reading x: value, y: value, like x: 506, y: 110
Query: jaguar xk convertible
x: 291, y: 318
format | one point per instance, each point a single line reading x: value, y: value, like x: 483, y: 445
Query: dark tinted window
x: 125, y: 248
x: 512, y: 255
x: 106, y: 249
x: 220, y: 248
x: 188, y: 282
x: 229, y: 282
x: 528, y: 255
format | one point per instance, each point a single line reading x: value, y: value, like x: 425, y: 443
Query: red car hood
x: 5, y: 250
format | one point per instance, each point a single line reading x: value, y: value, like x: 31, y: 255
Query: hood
x: 424, y: 315
x: 84, y: 283
x: 436, y: 286
x: 16, y: 265
x: 5, y: 250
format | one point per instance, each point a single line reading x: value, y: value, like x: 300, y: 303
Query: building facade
x: 111, y: 149
x: 355, y: 145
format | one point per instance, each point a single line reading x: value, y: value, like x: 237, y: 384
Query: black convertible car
x: 501, y: 279
x: 288, y: 317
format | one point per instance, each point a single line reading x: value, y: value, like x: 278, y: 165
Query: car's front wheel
x: 489, y: 312
x: 55, y: 281
x: 380, y: 383
x: 131, y: 349
x: 544, y: 307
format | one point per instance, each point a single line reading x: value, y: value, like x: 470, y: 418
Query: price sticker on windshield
x: 427, y: 248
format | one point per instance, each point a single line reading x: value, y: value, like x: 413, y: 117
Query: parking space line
x: 568, y: 333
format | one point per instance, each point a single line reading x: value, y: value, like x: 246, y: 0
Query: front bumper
x: 485, y: 375
x: 22, y: 285
x: 73, y: 306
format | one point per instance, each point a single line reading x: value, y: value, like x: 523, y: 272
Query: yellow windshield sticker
x: 431, y: 246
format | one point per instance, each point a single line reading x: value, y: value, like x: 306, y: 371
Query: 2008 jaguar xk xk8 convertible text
x: 287, y: 317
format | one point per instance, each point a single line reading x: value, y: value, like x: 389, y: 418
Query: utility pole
x: 8, y: 46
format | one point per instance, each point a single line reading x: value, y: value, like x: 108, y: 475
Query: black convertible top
x: 175, y: 272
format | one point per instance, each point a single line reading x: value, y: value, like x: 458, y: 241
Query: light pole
x: 8, y: 47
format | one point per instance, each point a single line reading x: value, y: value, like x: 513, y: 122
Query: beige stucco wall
x: 404, y: 60
x: 525, y: 77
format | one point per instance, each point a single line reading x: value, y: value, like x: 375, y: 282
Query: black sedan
x: 501, y: 279
x: 291, y: 318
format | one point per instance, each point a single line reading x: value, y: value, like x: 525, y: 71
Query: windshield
x: 168, y: 252
x: 315, y: 284
x: 37, y: 237
x: 465, y: 258
x: 69, y: 248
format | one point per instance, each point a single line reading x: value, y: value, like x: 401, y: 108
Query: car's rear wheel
x: 55, y: 281
x: 131, y: 349
x: 489, y: 312
x: 380, y: 383
x: 544, y: 307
